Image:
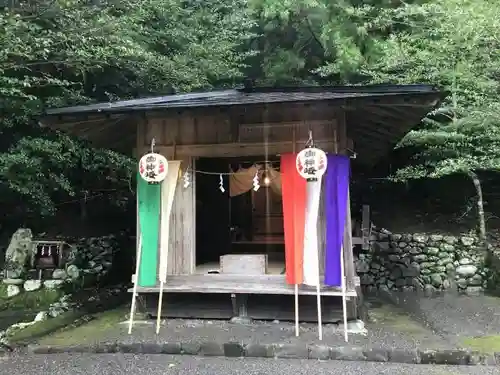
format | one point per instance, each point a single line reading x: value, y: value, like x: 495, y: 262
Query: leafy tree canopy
x: 453, y: 44
x: 67, y: 52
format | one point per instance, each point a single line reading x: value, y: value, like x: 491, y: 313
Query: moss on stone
x: 38, y: 299
x: 34, y: 300
x: 3, y: 292
x: 87, y: 333
x: 483, y: 344
x: 43, y: 328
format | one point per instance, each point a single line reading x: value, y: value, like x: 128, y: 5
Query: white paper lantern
x: 311, y: 163
x: 153, y: 168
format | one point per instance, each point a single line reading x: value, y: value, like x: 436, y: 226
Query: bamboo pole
x: 136, y: 280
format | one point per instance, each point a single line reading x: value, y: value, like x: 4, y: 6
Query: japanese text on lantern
x: 311, y: 163
x: 153, y: 168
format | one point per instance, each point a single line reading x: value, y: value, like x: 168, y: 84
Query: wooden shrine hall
x: 224, y: 236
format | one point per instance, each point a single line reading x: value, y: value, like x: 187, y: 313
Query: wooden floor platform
x: 238, y: 284
x: 259, y: 307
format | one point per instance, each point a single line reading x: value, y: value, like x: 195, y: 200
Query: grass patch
x: 87, y: 333
x: 38, y: 299
x: 484, y: 344
x: 395, y: 319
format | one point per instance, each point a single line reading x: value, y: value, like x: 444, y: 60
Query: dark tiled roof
x: 248, y: 96
x: 377, y: 116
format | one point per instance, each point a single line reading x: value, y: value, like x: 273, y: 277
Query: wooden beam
x: 236, y: 149
x: 68, y: 121
x: 357, y: 241
x: 373, y: 127
x: 244, y: 284
x: 341, y: 131
x: 298, y: 123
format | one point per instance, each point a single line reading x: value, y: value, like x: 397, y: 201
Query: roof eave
x: 82, y: 110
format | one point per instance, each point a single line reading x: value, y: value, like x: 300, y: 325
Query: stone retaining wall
x: 430, y: 263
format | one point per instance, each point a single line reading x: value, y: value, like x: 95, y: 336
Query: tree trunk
x: 480, y: 208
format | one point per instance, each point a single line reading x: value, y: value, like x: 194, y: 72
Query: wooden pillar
x: 140, y: 132
x: 182, y: 239
x: 182, y: 218
x: 182, y: 230
x: 348, y: 248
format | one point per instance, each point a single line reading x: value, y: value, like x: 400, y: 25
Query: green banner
x: 149, y: 196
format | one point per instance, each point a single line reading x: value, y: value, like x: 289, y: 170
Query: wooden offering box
x: 244, y: 264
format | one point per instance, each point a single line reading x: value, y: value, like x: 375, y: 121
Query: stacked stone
x: 89, y: 260
x: 432, y: 262
x: 94, y: 255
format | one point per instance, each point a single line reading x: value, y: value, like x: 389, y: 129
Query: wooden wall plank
x: 276, y: 132
x: 182, y: 241
x: 204, y: 130
x: 223, y: 125
x: 170, y: 130
x: 141, y: 136
x: 196, y: 127
x: 141, y: 132
x: 238, y: 149
x: 186, y: 128
x: 155, y: 129
x: 342, y: 132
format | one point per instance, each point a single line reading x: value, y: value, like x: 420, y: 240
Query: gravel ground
x: 170, y: 365
x: 388, y: 328
x: 445, y: 322
x: 400, y: 332
x: 447, y: 314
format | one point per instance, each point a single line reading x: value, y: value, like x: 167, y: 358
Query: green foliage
x: 333, y: 41
x: 39, y: 171
x: 68, y: 52
x: 467, y: 144
x: 453, y: 44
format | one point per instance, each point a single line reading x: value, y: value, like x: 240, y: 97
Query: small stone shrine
x: 32, y: 264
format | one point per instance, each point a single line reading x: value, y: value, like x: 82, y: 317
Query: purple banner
x: 336, y: 189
